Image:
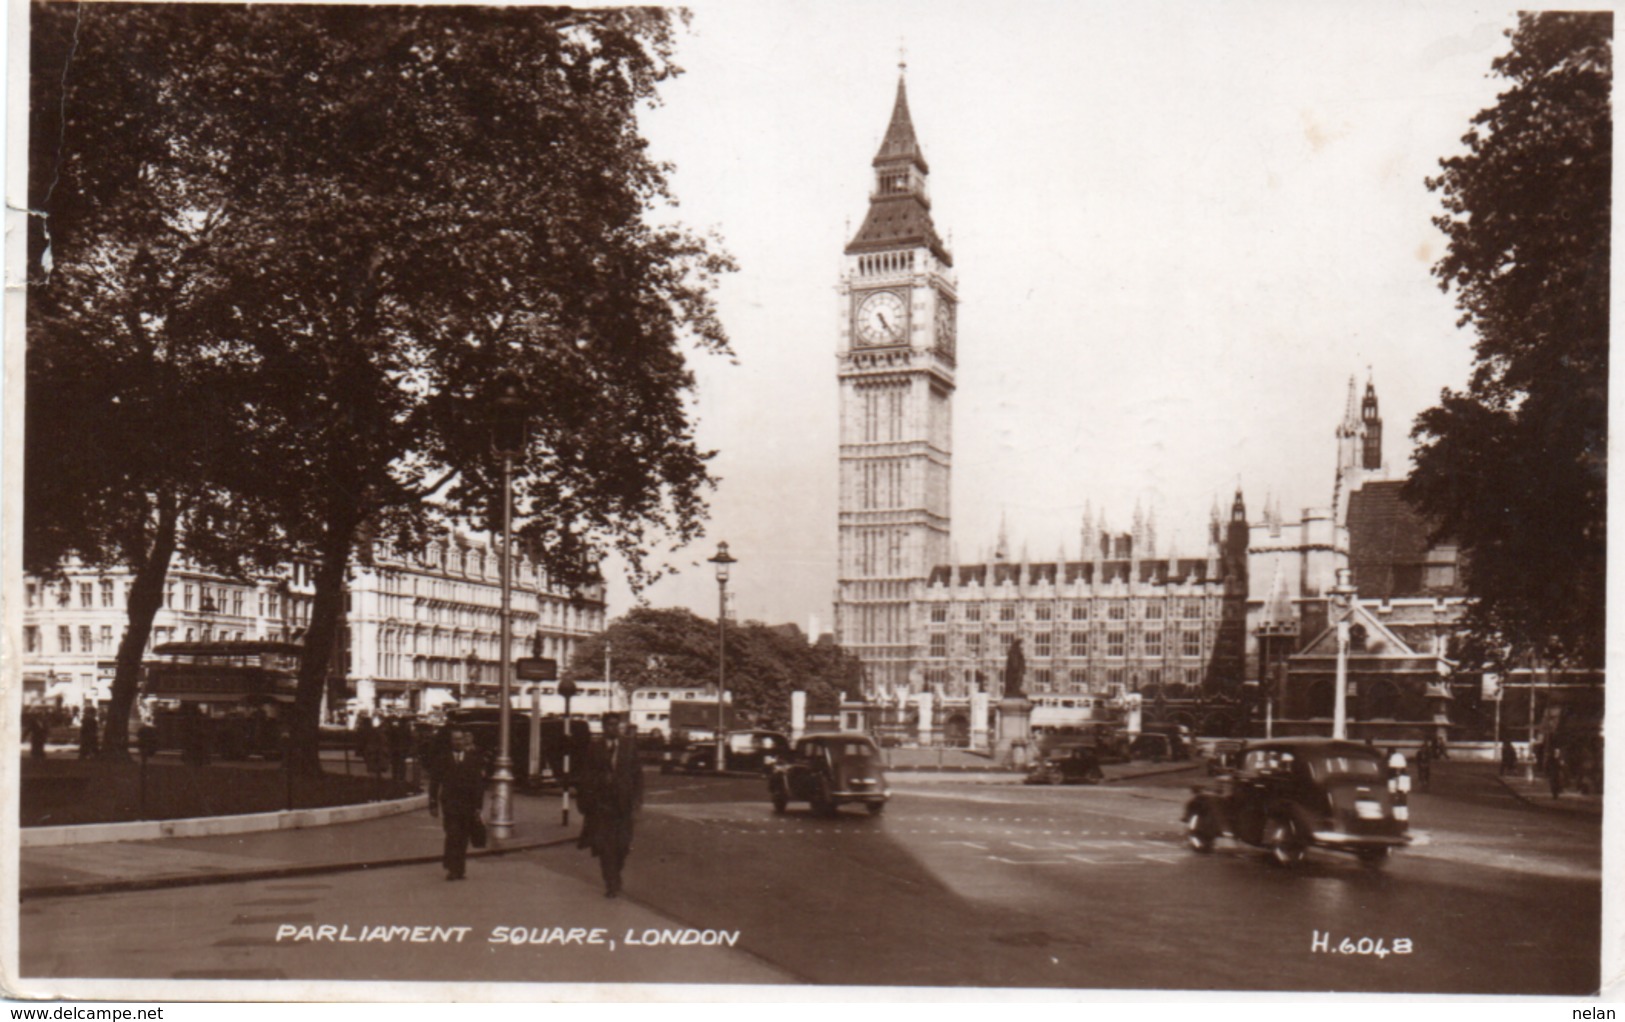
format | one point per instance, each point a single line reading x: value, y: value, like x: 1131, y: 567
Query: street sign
x: 535, y: 668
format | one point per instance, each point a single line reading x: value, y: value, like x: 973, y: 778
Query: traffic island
x: 76, y: 792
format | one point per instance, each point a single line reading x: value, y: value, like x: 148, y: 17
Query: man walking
x: 462, y: 792
x: 611, y: 789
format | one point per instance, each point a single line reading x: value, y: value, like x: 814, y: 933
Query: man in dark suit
x: 611, y: 790
x: 462, y: 792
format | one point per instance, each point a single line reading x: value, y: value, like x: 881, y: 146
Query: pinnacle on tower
x: 900, y: 142
x: 1350, y: 425
x: 1002, y: 551
x: 899, y: 209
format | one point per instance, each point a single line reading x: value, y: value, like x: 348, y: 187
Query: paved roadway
x: 956, y: 884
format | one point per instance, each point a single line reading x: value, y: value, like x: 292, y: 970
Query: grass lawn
x: 62, y: 791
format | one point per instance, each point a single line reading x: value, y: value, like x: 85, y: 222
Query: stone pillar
x: 978, y: 720
x: 927, y: 732
x: 1015, y: 748
x: 798, y: 715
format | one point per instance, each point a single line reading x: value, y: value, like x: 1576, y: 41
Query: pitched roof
x: 900, y: 143
x: 1388, y: 544
x: 903, y: 219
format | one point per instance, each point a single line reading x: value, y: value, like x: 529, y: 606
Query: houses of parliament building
x: 1121, y: 620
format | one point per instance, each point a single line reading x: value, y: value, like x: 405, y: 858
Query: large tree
x: 131, y: 420
x: 673, y: 647
x: 1515, y: 466
x: 416, y: 201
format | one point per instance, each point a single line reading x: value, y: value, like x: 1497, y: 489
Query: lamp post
x: 1342, y: 599
x: 723, y: 562
x: 508, y: 441
x: 567, y: 689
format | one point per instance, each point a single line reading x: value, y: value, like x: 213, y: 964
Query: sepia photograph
x: 772, y: 502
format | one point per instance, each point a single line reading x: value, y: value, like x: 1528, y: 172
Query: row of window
x: 1115, y: 610
x: 107, y: 594
x: 99, y: 640
x: 1113, y: 683
x: 1118, y: 644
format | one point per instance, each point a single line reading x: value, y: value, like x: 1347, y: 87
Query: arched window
x: 1383, y: 701
x: 1321, y: 697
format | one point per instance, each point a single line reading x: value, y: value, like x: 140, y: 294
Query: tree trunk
x: 146, y: 596
x: 326, y: 613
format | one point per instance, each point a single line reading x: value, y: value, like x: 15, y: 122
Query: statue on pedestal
x: 1014, y: 747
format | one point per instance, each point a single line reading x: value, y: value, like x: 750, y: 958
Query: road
x: 956, y: 884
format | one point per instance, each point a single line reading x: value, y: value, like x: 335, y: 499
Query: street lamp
x: 1342, y: 599
x: 508, y: 441
x: 723, y: 562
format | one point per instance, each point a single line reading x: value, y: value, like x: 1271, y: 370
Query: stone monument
x: 1014, y: 748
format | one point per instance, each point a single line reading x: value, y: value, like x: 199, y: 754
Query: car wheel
x: 1095, y: 775
x: 1200, y: 832
x: 876, y: 808
x: 1285, y: 843
x: 781, y: 798
x: 1373, y: 858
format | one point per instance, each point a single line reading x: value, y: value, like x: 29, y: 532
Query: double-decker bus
x: 229, y: 698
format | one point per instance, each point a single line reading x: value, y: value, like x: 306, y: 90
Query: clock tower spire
x: 896, y: 372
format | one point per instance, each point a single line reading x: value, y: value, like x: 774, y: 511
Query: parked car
x: 1290, y: 794
x: 1067, y: 764
x: 828, y: 771
x: 743, y: 750
x: 1222, y: 756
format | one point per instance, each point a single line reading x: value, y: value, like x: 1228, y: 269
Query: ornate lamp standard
x: 1343, y: 601
x: 723, y: 561
x: 508, y: 441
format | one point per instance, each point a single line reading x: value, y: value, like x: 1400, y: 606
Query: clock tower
x: 898, y: 309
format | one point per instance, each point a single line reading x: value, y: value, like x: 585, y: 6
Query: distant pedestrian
x: 195, y: 736
x: 38, y: 732
x: 400, y: 747
x: 89, y: 735
x: 462, y: 793
x: 373, y: 745
x: 1424, y: 765
x: 611, y: 789
x: 433, y: 748
x: 1509, y: 758
x: 1555, y: 767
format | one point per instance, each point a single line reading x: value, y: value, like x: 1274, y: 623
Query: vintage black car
x: 742, y: 750
x: 1222, y: 756
x: 828, y: 771
x: 1290, y: 794
x: 1067, y: 764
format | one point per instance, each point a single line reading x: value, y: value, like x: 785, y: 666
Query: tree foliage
x: 676, y: 648
x: 403, y: 203
x: 131, y: 422
x: 1515, y: 466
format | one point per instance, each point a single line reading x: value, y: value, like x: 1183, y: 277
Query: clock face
x: 945, y: 324
x: 881, y: 319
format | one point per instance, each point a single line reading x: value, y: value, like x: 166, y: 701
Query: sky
x: 1178, y: 228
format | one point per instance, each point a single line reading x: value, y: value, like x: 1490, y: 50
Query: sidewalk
x: 1538, y: 793
x: 397, y: 840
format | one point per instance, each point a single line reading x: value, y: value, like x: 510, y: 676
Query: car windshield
x: 843, y: 749
x: 1361, y: 767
